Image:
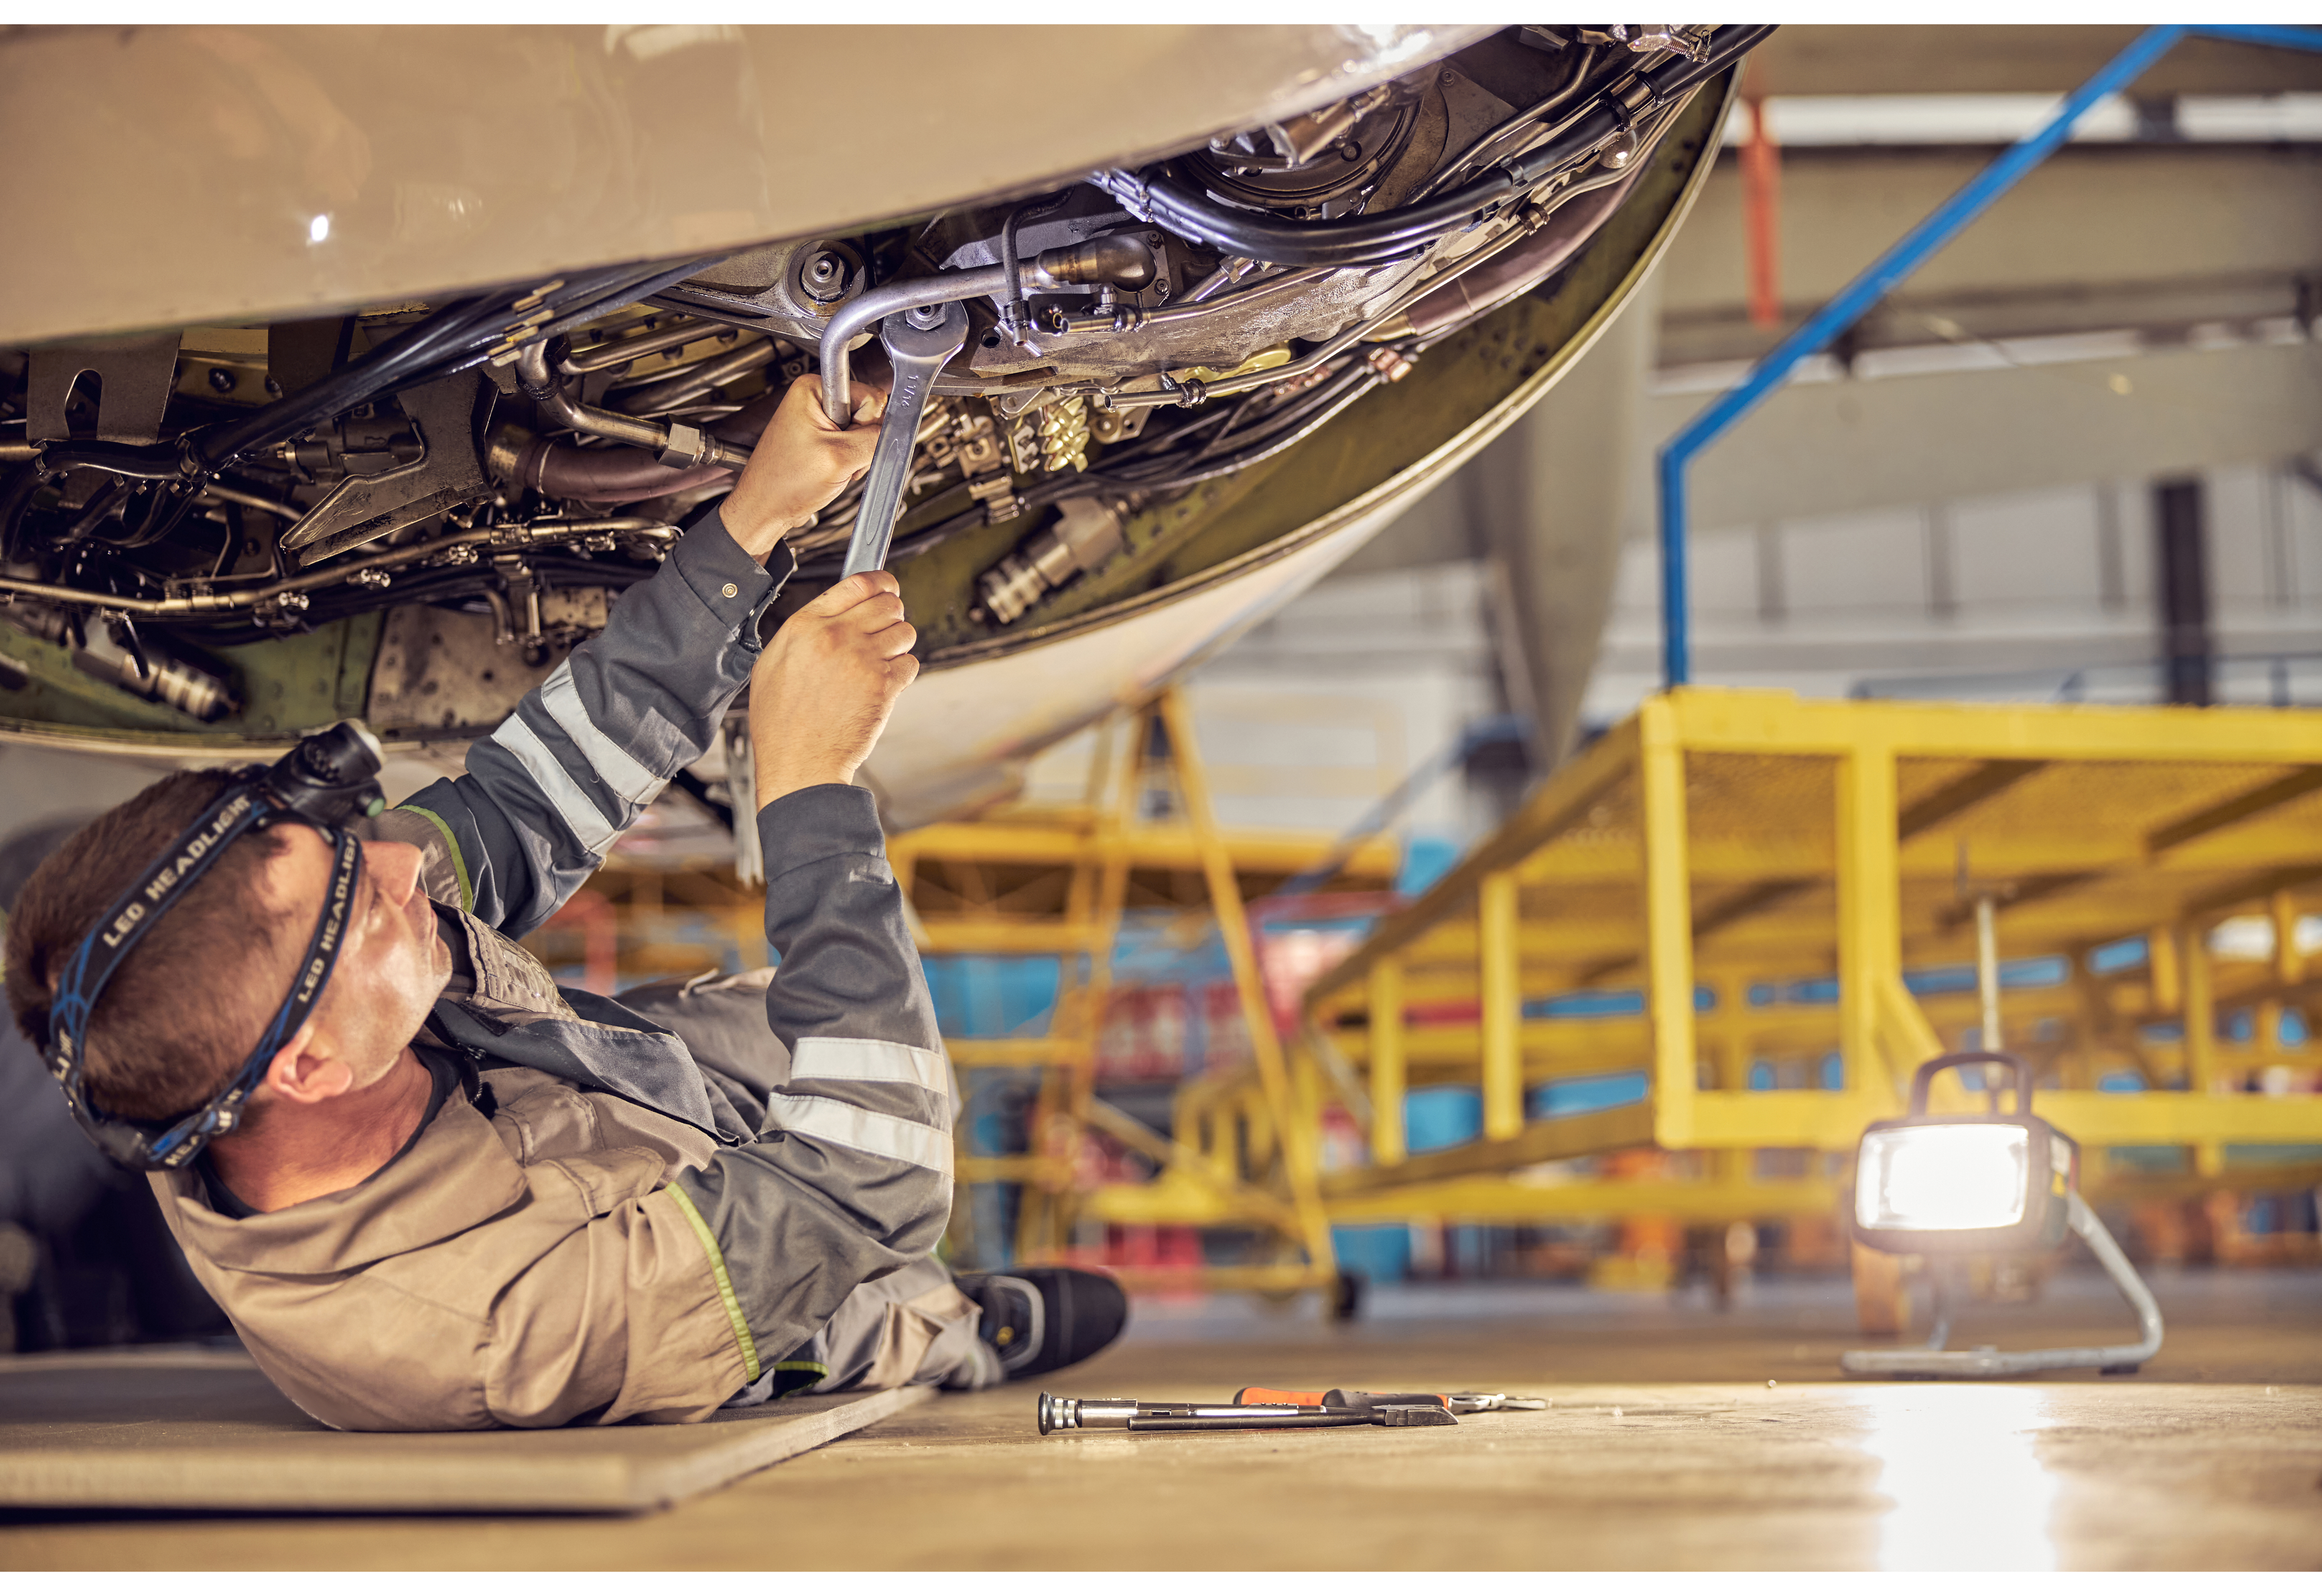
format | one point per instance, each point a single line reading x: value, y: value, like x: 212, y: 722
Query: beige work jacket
x: 464, y: 1285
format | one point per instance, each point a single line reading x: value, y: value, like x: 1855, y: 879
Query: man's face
x: 393, y: 966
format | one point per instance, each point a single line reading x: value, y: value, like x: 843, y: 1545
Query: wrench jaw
x: 918, y: 343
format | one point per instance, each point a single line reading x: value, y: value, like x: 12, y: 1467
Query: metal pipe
x: 1110, y: 258
x: 1987, y: 972
x: 856, y: 315
x: 509, y: 535
x: 669, y: 392
x: 256, y: 501
x: 674, y: 442
x: 1876, y: 281
x: 138, y: 667
x: 1129, y: 319
x: 609, y: 476
x: 1588, y: 56
x: 604, y: 356
x: 1335, y: 346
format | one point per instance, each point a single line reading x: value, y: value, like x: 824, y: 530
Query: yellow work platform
x: 1057, y: 880
x: 1724, y: 851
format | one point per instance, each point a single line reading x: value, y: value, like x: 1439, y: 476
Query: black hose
x: 147, y: 462
x: 1364, y: 240
x: 413, y: 348
x: 452, y: 340
x: 619, y: 298
x: 1584, y: 59
x: 16, y: 496
x: 1242, y: 459
x: 1011, y: 308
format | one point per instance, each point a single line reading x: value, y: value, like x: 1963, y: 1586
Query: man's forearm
x: 853, y: 1179
x: 548, y: 792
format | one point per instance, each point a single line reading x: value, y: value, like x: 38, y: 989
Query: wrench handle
x: 917, y: 353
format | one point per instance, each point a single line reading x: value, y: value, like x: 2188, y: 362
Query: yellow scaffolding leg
x: 1502, y: 1006
x: 1298, y: 1152
x: 1386, y: 1062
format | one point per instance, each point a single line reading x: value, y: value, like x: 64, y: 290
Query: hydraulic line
x: 1012, y: 317
x: 690, y: 444
x: 1349, y: 240
x: 453, y: 340
x: 1586, y: 58
x: 508, y: 537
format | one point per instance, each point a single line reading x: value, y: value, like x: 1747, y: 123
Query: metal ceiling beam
x: 1878, y: 279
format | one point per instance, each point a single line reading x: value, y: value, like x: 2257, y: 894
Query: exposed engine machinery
x: 528, y: 451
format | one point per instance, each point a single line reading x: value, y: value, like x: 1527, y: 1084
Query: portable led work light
x: 1965, y: 1182
x: 1944, y: 1185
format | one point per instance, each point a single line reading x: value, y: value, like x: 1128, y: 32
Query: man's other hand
x: 799, y: 464
x: 822, y: 688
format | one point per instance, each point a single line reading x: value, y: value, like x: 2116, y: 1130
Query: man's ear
x: 308, y: 1070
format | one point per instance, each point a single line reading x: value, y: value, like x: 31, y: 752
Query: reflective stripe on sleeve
x: 556, y: 784
x: 844, y: 1125
x: 848, y: 1058
x: 561, y: 695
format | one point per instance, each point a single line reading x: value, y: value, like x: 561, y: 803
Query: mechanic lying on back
x: 443, y: 1193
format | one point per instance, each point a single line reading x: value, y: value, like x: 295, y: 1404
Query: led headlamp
x: 328, y: 781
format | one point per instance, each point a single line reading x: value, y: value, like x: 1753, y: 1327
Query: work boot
x: 1040, y: 1319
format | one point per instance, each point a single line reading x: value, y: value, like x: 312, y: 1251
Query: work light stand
x: 1989, y: 1362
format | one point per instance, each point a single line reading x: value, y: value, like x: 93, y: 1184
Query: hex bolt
x: 222, y: 379
x: 824, y: 275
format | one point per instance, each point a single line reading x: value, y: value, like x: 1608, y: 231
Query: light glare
x: 318, y: 230
x: 1962, y: 1467
x: 1943, y: 1177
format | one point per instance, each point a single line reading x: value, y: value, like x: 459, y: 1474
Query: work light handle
x: 1954, y: 1061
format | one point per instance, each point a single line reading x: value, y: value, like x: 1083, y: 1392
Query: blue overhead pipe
x: 1877, y: 281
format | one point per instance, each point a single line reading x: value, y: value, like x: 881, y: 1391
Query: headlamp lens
x: 1943, y: 1177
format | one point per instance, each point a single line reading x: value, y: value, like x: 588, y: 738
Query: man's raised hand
x: 799, y: 464
x: 824, y: 686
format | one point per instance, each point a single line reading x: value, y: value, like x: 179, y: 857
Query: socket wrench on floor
x: 918, y: 343
x: 1126, y: 1413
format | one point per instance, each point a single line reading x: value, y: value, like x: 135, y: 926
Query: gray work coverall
x: 619, y: 1210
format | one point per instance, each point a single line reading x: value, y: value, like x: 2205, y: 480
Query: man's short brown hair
x: 192, y: 998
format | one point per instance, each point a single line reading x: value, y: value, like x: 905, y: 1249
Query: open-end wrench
x: 918, y: 343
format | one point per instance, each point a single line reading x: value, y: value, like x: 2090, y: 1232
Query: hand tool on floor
x: 1125, y: 1413
x: 1458, y: 1401
x: 918, y: 343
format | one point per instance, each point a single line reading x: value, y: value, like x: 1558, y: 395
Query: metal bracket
x: 364, y: 509
x: 136, y: 375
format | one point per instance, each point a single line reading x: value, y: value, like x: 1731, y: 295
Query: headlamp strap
x: 190, y: 1134
x: 123, y: 926
x: 245, y: 805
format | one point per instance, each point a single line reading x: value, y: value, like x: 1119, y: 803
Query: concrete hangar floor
x: 1678, y: 1438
